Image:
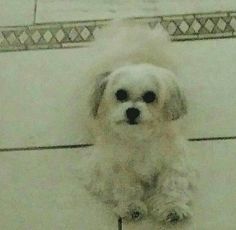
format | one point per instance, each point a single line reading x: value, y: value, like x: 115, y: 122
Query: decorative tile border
x: 77, y: 34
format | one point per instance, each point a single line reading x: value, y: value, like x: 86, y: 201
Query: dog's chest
x: 136, y: 163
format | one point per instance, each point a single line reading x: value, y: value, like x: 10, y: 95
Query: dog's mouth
x: 132, y: 122
x: 128, y: 122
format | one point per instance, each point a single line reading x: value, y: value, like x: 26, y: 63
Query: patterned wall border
x: 76, y: 34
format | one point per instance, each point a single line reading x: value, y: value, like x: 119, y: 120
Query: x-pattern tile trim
x: 76, y: 34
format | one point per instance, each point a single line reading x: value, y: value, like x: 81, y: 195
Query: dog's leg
x: 171, y: 199
x: 128, y: 194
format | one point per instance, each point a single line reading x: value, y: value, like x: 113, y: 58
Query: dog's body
x: 139, y: 160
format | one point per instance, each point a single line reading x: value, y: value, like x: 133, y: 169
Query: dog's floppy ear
x: 175, y: 105
x: 97, y: 92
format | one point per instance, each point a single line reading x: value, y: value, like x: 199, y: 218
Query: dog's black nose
x: 132, y: 114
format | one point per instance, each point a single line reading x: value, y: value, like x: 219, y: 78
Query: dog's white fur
x: 139, y: 169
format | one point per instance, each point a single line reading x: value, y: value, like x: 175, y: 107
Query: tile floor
x: 23, y: 12
x: 16, y: 12
x: 41, y: 190
x: 60, y: 10
x: 46, y: 96
x: 46, y: 93
x: 40, y: 101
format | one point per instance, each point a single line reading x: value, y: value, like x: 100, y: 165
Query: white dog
x: 138, y: 163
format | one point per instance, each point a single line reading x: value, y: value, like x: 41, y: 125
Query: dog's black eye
x: 121, y: 95
x: 149, y: 97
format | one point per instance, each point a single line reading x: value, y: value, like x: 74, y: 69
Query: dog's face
x: 139, y: 96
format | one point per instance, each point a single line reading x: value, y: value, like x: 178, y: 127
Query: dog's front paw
x: 173, y: 217
x: 176, y: 214
x: 170, y: 213
x: 137, y: 211
x: 132, y: 211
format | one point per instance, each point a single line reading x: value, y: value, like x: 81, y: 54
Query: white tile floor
x: 21, y: 12
x: 61, y: 10
x: 46, y: 93
x: 41, y: 190
x: 16, y: 12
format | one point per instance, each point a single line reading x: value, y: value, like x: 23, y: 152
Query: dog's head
x: 138, y: 96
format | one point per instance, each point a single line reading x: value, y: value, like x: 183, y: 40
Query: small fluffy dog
x: 138, y: 163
